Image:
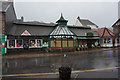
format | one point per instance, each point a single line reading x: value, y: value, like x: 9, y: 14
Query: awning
x: 89, y: 37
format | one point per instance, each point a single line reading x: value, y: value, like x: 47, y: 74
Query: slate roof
x: 104, y: 32
x: 32, y: 29
x: 4, y: 5
x: 36, y: 23
x: 82, y: 32
x: 86, y: 22
x: 44, y: 29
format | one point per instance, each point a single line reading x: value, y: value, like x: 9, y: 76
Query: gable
x: 78, y: 23
x: 25, y: 33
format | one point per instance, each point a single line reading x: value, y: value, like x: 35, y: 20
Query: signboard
x: 90, y: 34
x: 0, y: 46
x: 25, y: 33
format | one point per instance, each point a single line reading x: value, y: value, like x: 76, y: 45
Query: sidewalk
x: 36, y: 54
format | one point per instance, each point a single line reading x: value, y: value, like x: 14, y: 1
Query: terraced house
x: 38, y: 36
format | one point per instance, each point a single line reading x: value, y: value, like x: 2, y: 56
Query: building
x: 85, y: 23
x: 56, y: 37
x: 39, y: 36
x: 116, y: 31
x: 107, y: 37
x: 7, y: 16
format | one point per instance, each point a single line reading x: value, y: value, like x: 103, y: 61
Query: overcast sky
x: 101, y: 13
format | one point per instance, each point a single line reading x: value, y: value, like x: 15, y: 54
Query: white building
x: 85, y: 23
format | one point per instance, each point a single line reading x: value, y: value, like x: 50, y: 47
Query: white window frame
x: 41, y: 43
x: 16, y: 43
x: 8, y: 44
x: 36, y: 43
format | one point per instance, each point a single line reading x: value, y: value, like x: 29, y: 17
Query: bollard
x: 65, y: 73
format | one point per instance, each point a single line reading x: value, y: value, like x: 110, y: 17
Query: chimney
x: 78, y: 18
x: 22, y: 19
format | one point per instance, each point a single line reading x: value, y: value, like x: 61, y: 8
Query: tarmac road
x: 78, y: 62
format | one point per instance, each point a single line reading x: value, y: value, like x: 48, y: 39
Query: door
x: 26, y: 44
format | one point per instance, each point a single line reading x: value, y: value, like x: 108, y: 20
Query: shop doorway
x: 26, y: 44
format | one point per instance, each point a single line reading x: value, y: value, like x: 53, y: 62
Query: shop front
x: 88, y: 41
x: 24, y: 43
x: 61, y: 37
x: 62, y: 43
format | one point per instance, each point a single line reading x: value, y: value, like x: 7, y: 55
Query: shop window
x: 70, y: 43
x: 32, y: 43
x: 52, y: 43
x: 39, y: 44
x: 109, y: 40
x: 19, y: 43
x: 64, y: 43
x: 58, y: 43
x: 45, y: 43
x: 11, y: 44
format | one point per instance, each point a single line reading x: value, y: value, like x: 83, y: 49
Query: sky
x: 102, y: 13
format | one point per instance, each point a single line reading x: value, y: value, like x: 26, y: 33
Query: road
x: 78, y: 62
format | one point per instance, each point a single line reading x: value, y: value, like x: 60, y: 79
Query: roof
x: 43, y: 29
x: 96, y: 37
x: 36, y: 23
x: 33, y: 30
x: 104, y: 32
x: 86, y: 22
x: 4, y: 5
x: 61, y: 30
x: 82, y: 32
x: 61, y: 18
x: 116, y: 23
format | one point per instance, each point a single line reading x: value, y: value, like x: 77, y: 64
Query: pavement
x: 34, y: 54
x: 105, y: 73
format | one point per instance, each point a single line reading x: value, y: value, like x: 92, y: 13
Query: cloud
x: 66, y: 0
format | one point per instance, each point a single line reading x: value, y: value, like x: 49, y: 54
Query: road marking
x: 37, y: 74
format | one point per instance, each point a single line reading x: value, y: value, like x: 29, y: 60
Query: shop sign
x: 25, y: 33
x: 3, y: 44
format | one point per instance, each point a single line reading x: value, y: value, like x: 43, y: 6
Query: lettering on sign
x: 25, y: 33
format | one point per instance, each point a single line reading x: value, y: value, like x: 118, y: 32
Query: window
x: 107, y: 40
x: 39, y: 43
x: 19, y: 43
x: 32, y: 43
x: 11, y: 43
